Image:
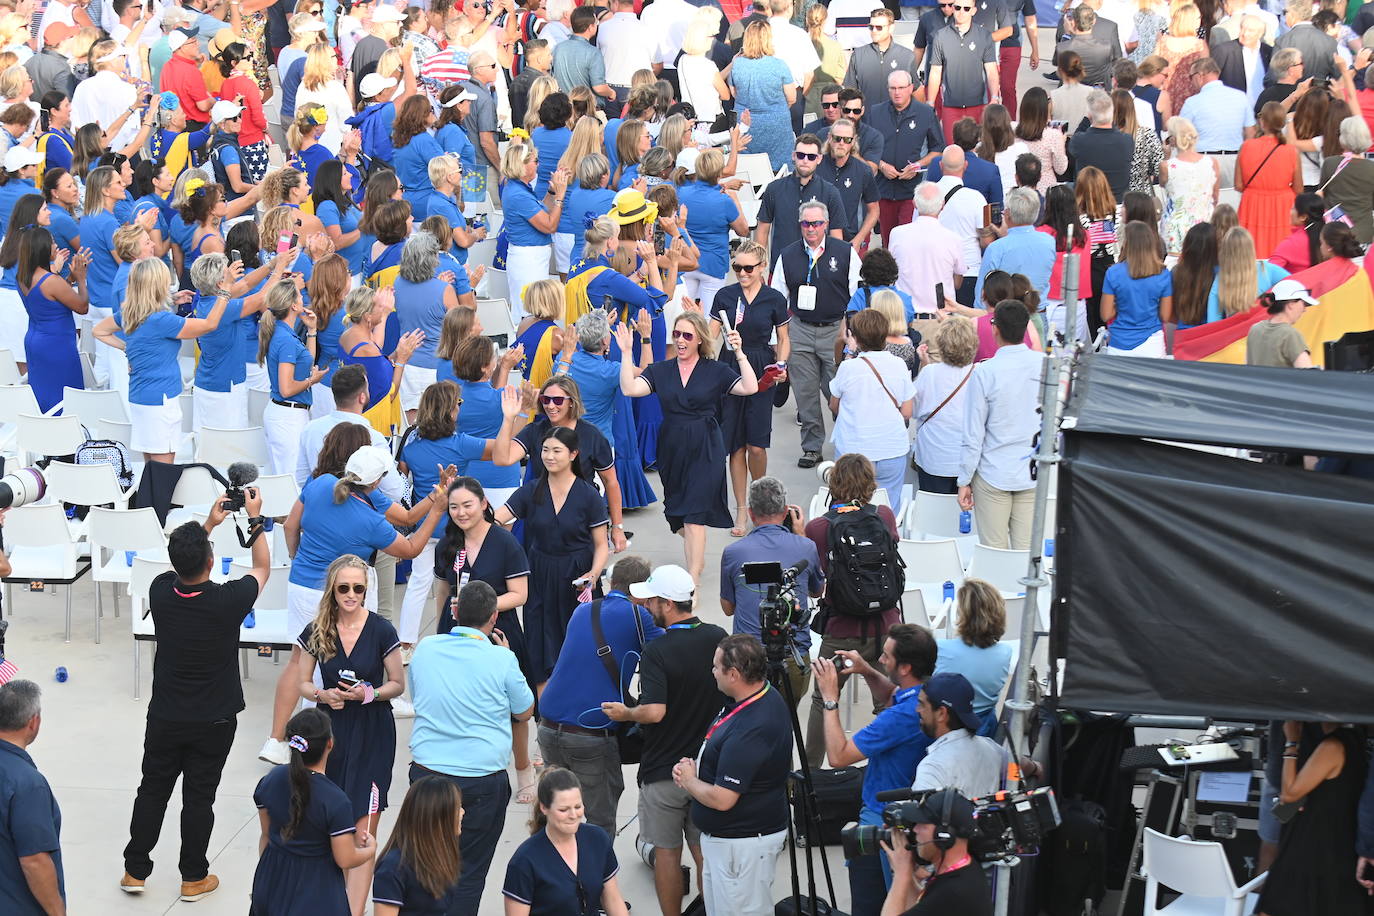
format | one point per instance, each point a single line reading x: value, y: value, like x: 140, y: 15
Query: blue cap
x: 955, y: 693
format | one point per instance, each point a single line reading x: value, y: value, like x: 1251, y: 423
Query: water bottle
x: 224, y: 563
x: 61, y: 675
x: 1049, y: 547
x: 949, y: 590
x: 250, y: 621
x: 965, y: 522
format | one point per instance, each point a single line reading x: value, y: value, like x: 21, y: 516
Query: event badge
x: 806, y: 298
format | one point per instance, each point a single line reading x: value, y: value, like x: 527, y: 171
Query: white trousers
x: 737, y: 874
x: 417, y: 594
x: 563, y: 243
x: 282, y: 426
x: 525, y: 264
x: 702, y: 288
x: 219, y: 409
x: 257, y: 376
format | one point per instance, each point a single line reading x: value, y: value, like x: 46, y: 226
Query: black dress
x: 691, y: 450
x: 749, y: 421
x: 1313, y: 873
x: 299, y: 877
x: 498, y: 559
x: 364, y: 735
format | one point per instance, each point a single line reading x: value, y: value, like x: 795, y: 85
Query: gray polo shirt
x: 992, y: 15
x: 931, y: 23
x: 576, y: 62
x: 781, y: 203
x: 481, y: 119
x: 868, y: 70
x: 964, y: 82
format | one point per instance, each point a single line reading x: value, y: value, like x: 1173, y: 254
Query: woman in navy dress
x: 567, y: 547
x: 308, y: 833
x: 417, y: 874
x: 361, y: 670
x: 691, y: 450
x: 566, y: 867
x: 757, y: 311
x: 50, y: 301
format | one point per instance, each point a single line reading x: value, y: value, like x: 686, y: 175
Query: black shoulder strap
x: 603, y: 649
x: 952, y: 191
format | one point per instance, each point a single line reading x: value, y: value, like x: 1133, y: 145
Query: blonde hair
x: 278, y: 185
x: 1183, y: 133
x: 749, y: 246
x: 456, y: 327
x: 670, y: 134
x: 281, y: 296
x: 128, y: 241
x: 1237, y: 272
x: 889, y: 305
x: 149, y: 291
x: 540, y: 89
x: 982, y: 614
x: 300, y: 127
x: 1185, y: 21
x: 1154, y: 63
x: 758, y: 40
x: 514, y: 160
x: 710, y: 163
x: 12, y: 25
x: 324, y: 633
x: 12, y: 79
x: 358, y: 303
x: 701, y: 31
x: 702, y: 329
x: 627, y: 145
x: 595, y: 236
x: 321, y: 66
x: 276, y: 222
x: 956, y: 339
x: 390, y: 63
x: 586, y: 139
x: 179, y: 195
x: 544, y: 299
x: 441, y: 167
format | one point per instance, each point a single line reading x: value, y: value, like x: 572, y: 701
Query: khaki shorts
x: 665, y: 815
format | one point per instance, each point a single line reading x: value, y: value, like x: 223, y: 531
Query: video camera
x: 1005, y: 824
x: 780, y: 613
x: 240, y: 474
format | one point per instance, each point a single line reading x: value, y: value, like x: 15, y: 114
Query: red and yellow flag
x: 1347, y: 304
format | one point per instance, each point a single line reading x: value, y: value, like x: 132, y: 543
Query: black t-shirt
x: 751, y: 754
x: 962, y: 892
x: 196, y: 669
x: 676, y: 671
x: 1275, y: 93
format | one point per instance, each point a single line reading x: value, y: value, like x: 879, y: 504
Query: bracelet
x: 313, y: 334
x: 317, y: 694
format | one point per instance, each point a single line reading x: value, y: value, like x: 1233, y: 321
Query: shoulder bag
x: 629, y: 740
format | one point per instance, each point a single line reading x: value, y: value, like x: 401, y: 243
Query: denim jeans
x: 484, y: 816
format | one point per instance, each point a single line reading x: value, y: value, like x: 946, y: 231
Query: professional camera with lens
x: 21, y: 487
x: 1005, y: 824
x: 241, y: 474
x: 780, y: 613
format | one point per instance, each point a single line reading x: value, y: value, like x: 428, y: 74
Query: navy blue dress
x: 538, y: 876
x: 364, y: 735
x: 749, y: 421
x: 691, y: 450
x: 299, y: 877
x: 395, y: 883
x: 560, y: 549
x: 500, y: 557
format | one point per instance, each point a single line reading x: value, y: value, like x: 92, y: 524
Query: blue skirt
x: 635, y: 490
x: 291, y: 885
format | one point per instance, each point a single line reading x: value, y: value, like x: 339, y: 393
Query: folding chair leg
x: 243, y: 654
x: 137, y: 670
x: 68, y: 636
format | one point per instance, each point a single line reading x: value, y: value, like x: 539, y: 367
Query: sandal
x: 740, y: 528
x: 528, y: 781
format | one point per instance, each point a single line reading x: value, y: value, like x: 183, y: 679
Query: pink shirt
x: 926, y: 253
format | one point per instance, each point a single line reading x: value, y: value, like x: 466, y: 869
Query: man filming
x: 932, y: 871
x: 197, y: 695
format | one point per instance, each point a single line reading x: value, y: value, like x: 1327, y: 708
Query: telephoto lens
x: 22, y: 487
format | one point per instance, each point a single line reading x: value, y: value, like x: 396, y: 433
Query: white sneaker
x: 401, y: 708
x: 407, y: 653
x: 274, y: 751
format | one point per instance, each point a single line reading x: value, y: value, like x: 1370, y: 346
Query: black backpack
x: 1077, y: 855
x: 866, y: 571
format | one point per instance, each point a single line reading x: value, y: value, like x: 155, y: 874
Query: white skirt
x: 562, y: 250
x: 414, y: 381
x: 282, y: 426
x: 219, y: 409
x: 1152, y: 346
x: 256, y: 376
x: 303, y: 603
x: 14, y: 323
x: 525, y: 264
x: 156, y: 427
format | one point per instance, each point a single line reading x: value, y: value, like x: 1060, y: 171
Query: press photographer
x: 197, y: 695
x: 933, y: 873
x: 777, y: 539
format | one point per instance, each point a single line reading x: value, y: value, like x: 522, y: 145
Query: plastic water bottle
x: 949, y: 590
x: 224, y: 563
x: 250, y: 621
x: 1049, y: 547
x: 61, y: 675
x: 965, y: 522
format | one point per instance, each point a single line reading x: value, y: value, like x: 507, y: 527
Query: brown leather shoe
x: 131, y: 885
x: 194, y: 890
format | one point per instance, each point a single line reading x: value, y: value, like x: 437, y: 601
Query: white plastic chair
x: 222, y: 447
x: 120, y: 531
x: 38, y: 435
x: 1200, y: 872
x: 85, y: 484
x: 88, y: 370
x: 118, y: 430
x: 15, y: 400
x: 482, y: 252
x: 41, y: 548
x: 818, y: 503
x: 748, y: 202
x: 880, y: 498
x: 936, y: 515
x: 188, y: 413
x: 92, y: 406
x: 141, y: 575
x: 929, y: 565
x: 1004, y: 569
x: 279, y: 493
x: 9, y: 369
x: 196, y: 488
x: 494, y: 314
x: 497, y: 286
x: 258, y: 399
x: 756, y: 168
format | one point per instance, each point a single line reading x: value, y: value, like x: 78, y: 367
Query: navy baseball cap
x: 955, y: 693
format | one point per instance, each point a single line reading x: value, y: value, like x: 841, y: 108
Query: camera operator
x: 893, y: 743
x: 776, y: 538
x: 197, y: 695
x: 936, y: 876
x: 738, y: 783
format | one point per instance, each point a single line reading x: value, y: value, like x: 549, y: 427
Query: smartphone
x: 939, y: 296
x: 1062, y: 126
x: 235, y: 256
x: 996, y: 214
x: 349, y: 678
x: 283, y: 243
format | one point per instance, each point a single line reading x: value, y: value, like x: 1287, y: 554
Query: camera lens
x: 861, y: 839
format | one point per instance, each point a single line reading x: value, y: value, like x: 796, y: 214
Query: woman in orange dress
x: 1269, y: 177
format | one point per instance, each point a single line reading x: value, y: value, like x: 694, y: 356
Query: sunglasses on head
x: 357, y: 588
x: 555, y: 399
x: 744, y: 268
x: 830, y: 104
x: 812, y: 223
x: 688, y: 336
x: 807, y: 157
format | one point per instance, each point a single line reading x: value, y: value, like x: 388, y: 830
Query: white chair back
x: 1003, y: 568
x: 37, y: 526
x: 931, y: 561
x: 84, y: 484
x: 118, y: 430
x: 88, y: 370
x: 222, y: 447
x: 125, y: 529
x: 92, y: 406
x: 16, y: 400
x: 39, y: 435
x: 258, y: 399
x: 497, y: 286
x: 9, y: 369
x: 494, y: 314
x: 196, y: 488
x: 141, y: 576
x: 279, y: 493
x: 273, y: 596
x: 1193, y: 867
x: 937, y: 515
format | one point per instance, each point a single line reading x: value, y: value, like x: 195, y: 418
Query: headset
x: 944, y: 838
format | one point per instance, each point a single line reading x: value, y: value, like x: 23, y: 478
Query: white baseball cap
x: 225, y: 110
x: 463, y: 96
x: 20, y: 156
x: 370, y: 463
x: 671, y: 582
x: 176, y: 38
x: 1282, y: 291
x: 374, y: 83
x: 388, y: 13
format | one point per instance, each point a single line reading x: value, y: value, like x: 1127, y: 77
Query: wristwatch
x: 830, y: 705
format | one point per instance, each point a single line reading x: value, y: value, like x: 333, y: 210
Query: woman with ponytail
x: 49, y: 302
x: 418, y: 870
x: 1276, y: 342
x: 565, y: 518
x: 28, y: 213
x: 309, y: 836
x: 105, y: 189
x: 56, y: 142
x: 360, y: 672
x: 1302, y: 248
x: 291, y: 370
x: 303, y: 140
x: 204, y: 209
x: 64, y: 202
x: 566, y: 863
x: 291, y: 188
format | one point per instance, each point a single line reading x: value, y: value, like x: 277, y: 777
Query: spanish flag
x: 1347, y: 304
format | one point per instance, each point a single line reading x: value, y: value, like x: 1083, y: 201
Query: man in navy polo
x: 30, y: 850
x: 913, y: 139
x: 893, y: 743
x: 777, y: 226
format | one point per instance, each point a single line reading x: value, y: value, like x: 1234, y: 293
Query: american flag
x: 585, y: 595
x: 458, y: 562
x: 8, y: 670
x: 374, y: 800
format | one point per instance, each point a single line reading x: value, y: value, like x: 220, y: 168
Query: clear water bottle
x: 949, y: 590
x: 61, y: 674
x: 965, y: 522
x: 250, y: 621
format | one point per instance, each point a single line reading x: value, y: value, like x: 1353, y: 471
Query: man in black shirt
x: 196, y: 698
x: 1103, y: 146
x: 938, y: 877
x: 738, y: 784
x: 678, y: 699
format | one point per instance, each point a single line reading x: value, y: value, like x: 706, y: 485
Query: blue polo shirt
x: 97, y: 234
x: 63, y: 228
x: 583, y: 202
x: 347, y: 222
x: 767, y: 543
x: 519, y: 203
x: 580, y: 682
x: 30, y: 823
x: 444, y: 205
x: 329, y: 530
x: 863, y: 298
x: 152, y: 350
x: 221, y: 363
x: 466, y: 688
x: 423, y: 457
x: 286, y: 347
x: 1137, y: 304
x: 710, y: 211
x: 894, y: 744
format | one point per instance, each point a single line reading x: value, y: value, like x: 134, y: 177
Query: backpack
x: 866, y: 571
x: 1077, y: 852
x: 104, y: 451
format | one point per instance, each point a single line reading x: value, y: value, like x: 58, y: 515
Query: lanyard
x: 467, y: 635
x: 684, y: 626
x: 731, y: 714
x: 814, y: 261
x: 955, y: 867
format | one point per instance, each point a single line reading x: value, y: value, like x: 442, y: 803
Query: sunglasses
x: 839, y: 139
x: 812, y: 223
x: 744, y: 268
x: 357, y: 588
x: 830, y: 104
x: 688, y: 336
x: 859, y: 110
x: 555, y: 399
x: 807, y: 157
x: 964, y: 8
x: 876, y: 28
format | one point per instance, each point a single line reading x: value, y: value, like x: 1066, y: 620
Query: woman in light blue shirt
x: 551, y: 137
x: 977, y: 652
x: 422, y: 300
x: 291, y: 370
x: 333, y: 197
x: 530, y: 223
x: 1241, y: 277
x: 711, y: 213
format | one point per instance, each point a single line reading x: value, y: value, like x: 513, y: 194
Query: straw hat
x: 631, y: 207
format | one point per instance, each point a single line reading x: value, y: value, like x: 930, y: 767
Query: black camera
x: 864, y: 839
x: 241, y: 474
x: 1005, y: 824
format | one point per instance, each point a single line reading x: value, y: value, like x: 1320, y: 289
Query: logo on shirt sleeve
x: 730, y: 779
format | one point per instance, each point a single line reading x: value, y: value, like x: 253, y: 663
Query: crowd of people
x: 317, y: 196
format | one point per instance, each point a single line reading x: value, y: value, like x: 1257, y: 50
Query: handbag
x: 630, y: 741
x: 906, y: 421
